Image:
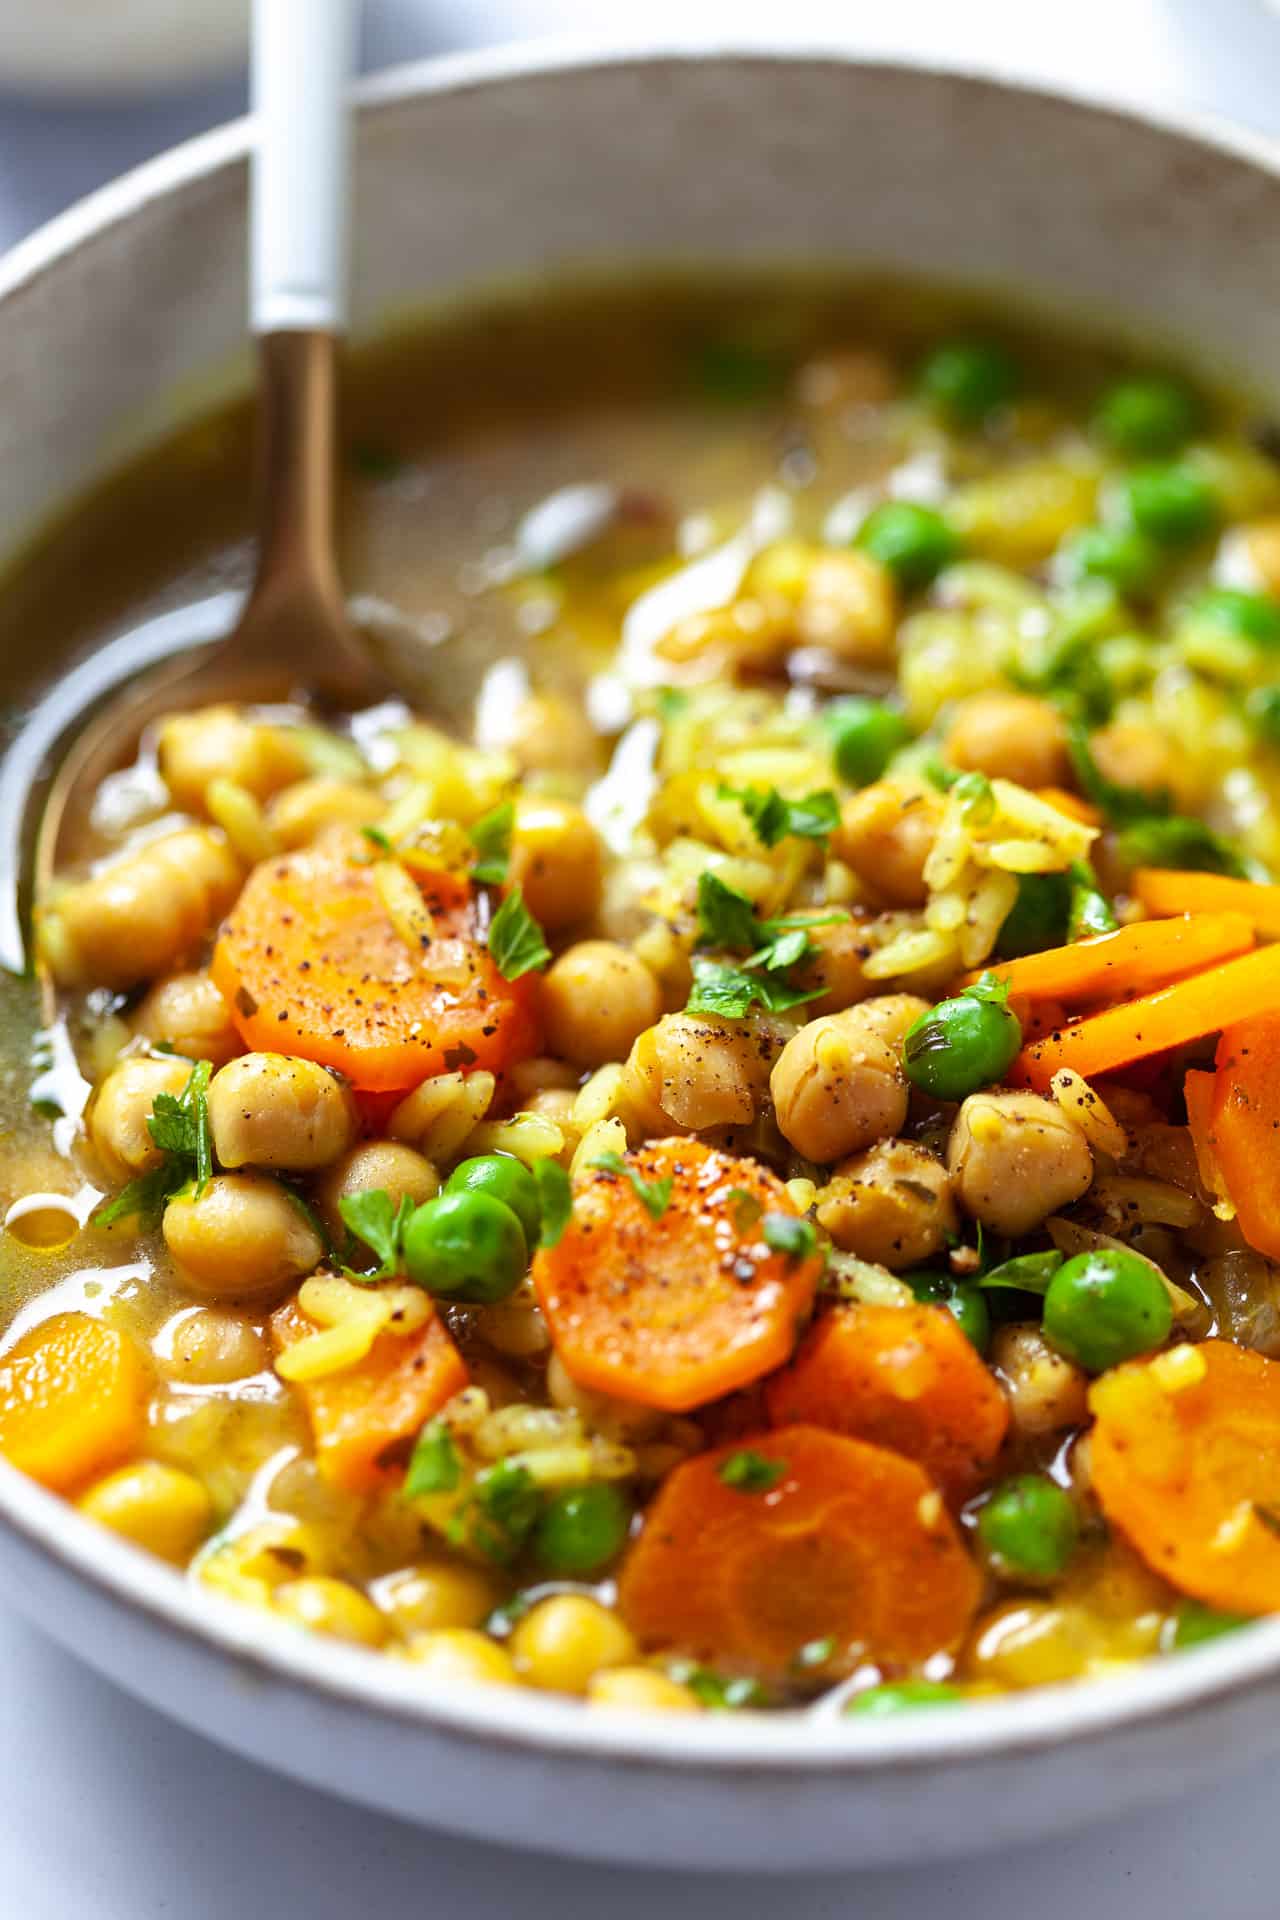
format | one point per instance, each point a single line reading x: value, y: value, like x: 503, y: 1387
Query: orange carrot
x: 72, y: 1400
x: 364, y: 1420
x: 1245, y: 1126
x: 1186, y: 1011
x: 1071, y: 804
x: 754, y: 1551
x: 1185, y: 1459
x: 311, y: 964
x: 1117, y: 966
x: 1161, y: 890
x: 678, y: 1301
x: 901, y: 1377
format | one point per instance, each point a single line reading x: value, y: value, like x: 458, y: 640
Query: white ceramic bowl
x: 475, y: 170
x: 92, y: 48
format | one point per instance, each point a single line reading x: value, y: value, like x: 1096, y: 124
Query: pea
x: 582, y: 1529
x: 966, y: 1303
x: 466, y: 1246
x: 1149, y: 415
x: 505, y: 1178
x: 1029, y: 1527
x: 903, y: 1696
x: 962, y: 1044
x: 1120, y: 556
x: 1173, y: 505
x: 1038, y: 917
x: 1104, y: 1307
x: 1247, y: 616
x: 865, y: 736
x: 914, y: 543
x: 1195, y: 1625
x: 967, y: 380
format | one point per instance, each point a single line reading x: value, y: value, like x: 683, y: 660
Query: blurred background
x: 89, y: 88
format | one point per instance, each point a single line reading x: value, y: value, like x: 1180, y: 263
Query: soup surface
x: 721, y: 1152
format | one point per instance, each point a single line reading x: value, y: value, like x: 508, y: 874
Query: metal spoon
x: 293, y: 630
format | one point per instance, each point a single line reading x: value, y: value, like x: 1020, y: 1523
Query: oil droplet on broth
x: 46, y: 1222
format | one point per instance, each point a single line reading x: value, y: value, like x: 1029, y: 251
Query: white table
x: 108, y: 1812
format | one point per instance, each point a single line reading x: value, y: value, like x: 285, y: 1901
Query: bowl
x: 123, y: 316
x: 131, y: 47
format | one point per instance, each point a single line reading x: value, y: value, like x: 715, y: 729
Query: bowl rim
x: 739, y: 1744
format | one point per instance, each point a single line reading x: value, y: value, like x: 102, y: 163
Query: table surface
x: 109, y: 1812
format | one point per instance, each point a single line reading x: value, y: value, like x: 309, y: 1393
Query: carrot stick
x: 1133, y: 960
x: 1244, y: 1126
x: 670, y: 1286
x: 1071, y: 804
x: 1163, y: 890
x: 900, y: 1377
x: 1186, y: 1011
x: 761, y: 1548
x: 72, y: 1400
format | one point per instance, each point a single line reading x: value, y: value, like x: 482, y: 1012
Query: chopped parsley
x: 750, y: 1472
x: 179, y: 1126
x: 491, y: 838
x: 516, y: 941
x: 783, y: 1233
x: 382, y: 841
x: 721, y: 1692
x: 655, y: 1195
x: 746, y: 1208
x: 375, y: 1218
x: 727, y: 920
x: 555, y: 1199
x: 434, y: 1466
x: 729, y: 993
x: 503, y: 1510
x: 1027, y: 1272
x: 772, y: 818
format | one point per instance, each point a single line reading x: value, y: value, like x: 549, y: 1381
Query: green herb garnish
x: 555, y: 1198
x: 729, y: 993
x: 375, y: 1218
x: 516, y: 941
x: 491, y: 838
x: 504, y: 1510
x: 750, y: 1472
x: 179, y: 1126
x: 783, y: 1233
x: 772, y: 818
x: 655, y: 1195
x: 377, y: 838
x: 434, y: 1466
x: 1026, y: 1273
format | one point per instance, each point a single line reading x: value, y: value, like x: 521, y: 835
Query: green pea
x: 1247, y: 616
x: 1149, y: 415
x: 967, y: 380
x: 1029, y: 1527
x: 1038, y: 917
x: 1195, y: 1625
x: 504, y: 1178
x: 865, y: 735
x: 966, y: 1303
x: 1105, y: 1307
x: 1173, y: 505
x: 913, y: 542
x: 582, y: 1529
x: 903, y: 1696
x: 466, y: 1246
x: 962, y: 1044
x: 1120, y: 556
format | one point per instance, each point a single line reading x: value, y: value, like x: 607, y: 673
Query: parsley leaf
x: 773, y: 818
x: 377, y: 838
x: 746, y: 1208
x: 491, y: 838
x: 653, y: 1194
x: 146, y: 1197
x: 555, y: 1199
x: 179, y: 1126
x: 434, y: 1466
x: 726, y: 917
x: 375, y: 1218
x: 720, y: 1692
x: 797, y: 1239
x: 1090, y: 912
x: 505, y: 1509
x: 729, y: 993
x: 516, y: 940
x: 751, y: 1472
x: 1027, y: 1272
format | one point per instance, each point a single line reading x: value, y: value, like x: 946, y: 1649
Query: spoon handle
x: 303, y: 56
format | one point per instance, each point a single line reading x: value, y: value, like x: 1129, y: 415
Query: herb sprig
x: 179, y: 1126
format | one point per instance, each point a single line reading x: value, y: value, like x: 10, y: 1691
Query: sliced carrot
x: 1162, y: 890
x: 1244, y: 1126
x: 901, y: 1377
x: 845, y: 1542
x: 1071, y: 804
x: 311, y: 964
x: 1185, y: 1459
x: 1186, y: 1011
x: 1133, y: 960
x: 680, y: 1309
x: 365, y: 1419
x: 72, y: 1400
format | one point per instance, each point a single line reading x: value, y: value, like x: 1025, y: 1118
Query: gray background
x: 109, y: 1813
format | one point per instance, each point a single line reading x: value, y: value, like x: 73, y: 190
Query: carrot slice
x: 1133, y: 960
x: 311, y: 964
x: 901, y: 1377
x: 1163, y: 890
x: 846, y: 1542
x: 1071, y: 804
x: 1185, y: 1459
x: 72, y: 1400
x: 675, y: 1310
x: 1188, y: 1010
x: 1244, y: 1125
x: 364, y: 1419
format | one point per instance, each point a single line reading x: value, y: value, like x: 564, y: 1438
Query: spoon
x: 293, y: 629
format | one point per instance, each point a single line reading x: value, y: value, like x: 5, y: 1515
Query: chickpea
x: 221, y: 743
x: 242, y: 1237
x: 886, y: 834
x: 849, y: 608
x: 1136, y: 755
x: 301, y: 812
x: 836, y: 965
x: 398, y: 1170
x: 270, y: 1110
x: 597, y: 998
x: 561, y: 1643
x: 1047, y: 1392
x: 700, y: 1072
x: 188, y: 1013
x: 542, y: 1074
x: 157, y: 1507
x: 889, y: 1016
x: 459, y: 1656
x: 208, y: 1346
x: 556, y: 858
x: 1011, y: 736
x: 1029, y: 1644
x: 1015, y: 1158
x: 439, y: 1593
x: 333, y: 1607
x: 121, y: 1108
x: 545, y: 733
x: 892, y: 1204
x: 640, y: 1690
x: 142, y: 915
x: 838, y: 1087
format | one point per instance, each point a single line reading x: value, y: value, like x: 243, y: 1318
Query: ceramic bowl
x: 473, y: 171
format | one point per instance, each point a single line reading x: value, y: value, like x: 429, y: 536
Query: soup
x: 719, y: 1153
